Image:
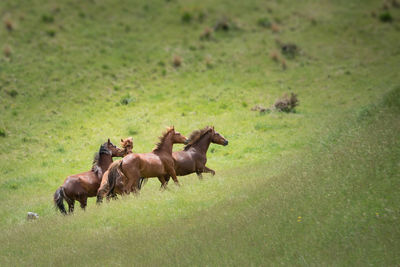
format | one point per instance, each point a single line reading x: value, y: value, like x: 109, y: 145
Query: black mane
x: 95, y: 165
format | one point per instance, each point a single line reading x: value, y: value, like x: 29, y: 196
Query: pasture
x: 318, y: 186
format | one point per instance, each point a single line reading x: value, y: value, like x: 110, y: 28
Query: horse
x: 83, y: 185
x: 193, y: 158
x: 104, y: 186
x: 157, y: 163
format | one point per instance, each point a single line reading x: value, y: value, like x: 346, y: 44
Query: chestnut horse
x: 104, y: 186
x: 157, y: 163
x: 193, y: 158
x: 83, y: 185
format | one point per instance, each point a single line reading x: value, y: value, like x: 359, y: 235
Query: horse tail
x: 59, y: 196
x: 114, y: 172
x: 142, y: 182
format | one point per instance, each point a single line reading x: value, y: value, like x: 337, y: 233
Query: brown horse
x: 193, y: 158
x: 157, y: 163
x: 104, y: 186
x: 83, y: 185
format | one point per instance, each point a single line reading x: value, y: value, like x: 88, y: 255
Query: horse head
x: 127, y: 145
x: 217, y: 138
x: 177, y: 137
x: 113, y: 150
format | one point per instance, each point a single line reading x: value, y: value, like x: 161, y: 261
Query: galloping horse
x: 157, y: 163
x: 193, y: 157
x: 104, y: 186
x: 83, y: 185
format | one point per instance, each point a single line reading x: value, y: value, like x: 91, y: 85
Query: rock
x: 32, y: 216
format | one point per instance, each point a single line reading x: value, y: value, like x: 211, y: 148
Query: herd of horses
x: 127, y: 175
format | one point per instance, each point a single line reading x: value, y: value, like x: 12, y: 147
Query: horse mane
x: 127, y: 144
x: 162, y: 139
x: 195, y: 136
x: 95, y: 165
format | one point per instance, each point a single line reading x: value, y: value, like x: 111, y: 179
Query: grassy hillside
x: 311, y: 187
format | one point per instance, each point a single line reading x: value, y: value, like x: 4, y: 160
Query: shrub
x: 46, y: 18
x: 132, y: 131
x: 186, y: 16
x: 125, y: 100
x: 7, y: 51
x: 222, y: 25
x: 177, y: 61
x: 264, y: 22
x: 206, y: 34
x: 12, y: 93
x: 9, y: 25
x: 60, y: 149
x: 385, y: 17
x: 289, y: 50
x: 286, y: 103
x: 51, y: 33
x: 2, y: 132
x: 193, y: 14
x: 274, y: 56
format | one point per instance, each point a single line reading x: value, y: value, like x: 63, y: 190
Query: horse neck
x: 166, y: 146
x: 104, y: 162
x: 203, y: 144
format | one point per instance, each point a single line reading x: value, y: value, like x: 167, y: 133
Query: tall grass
x: 334, y: 205
x: 313, y: 187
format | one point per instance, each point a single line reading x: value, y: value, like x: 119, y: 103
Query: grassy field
x: 314, y: 187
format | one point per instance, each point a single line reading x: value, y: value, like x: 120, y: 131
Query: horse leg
x: 101, y: 192
x: 163, y: 182
x: 71, y: 205
x: 172, y: 173
x: 133, y: 179
x: 199, y: 175
x: 83, y: 202
x: 206, y: 169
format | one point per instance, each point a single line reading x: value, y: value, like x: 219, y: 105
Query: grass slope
x: 69, y: 69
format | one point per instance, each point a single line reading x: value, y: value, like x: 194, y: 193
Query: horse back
x: 85, y: 183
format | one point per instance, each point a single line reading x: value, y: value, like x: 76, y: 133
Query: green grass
x: 79, y: 73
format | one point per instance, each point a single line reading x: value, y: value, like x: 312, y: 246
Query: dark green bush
x: 125, y: 100
x: 46, y: 18
x: 264, y: 22
x: 51, y: 33
x: 385, y: 17
x: 187, y: 17
x: 12, y: 93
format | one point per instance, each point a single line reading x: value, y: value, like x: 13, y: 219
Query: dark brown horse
x: 158, y: 163
x: 193, y: 158
x: 83, y: 185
